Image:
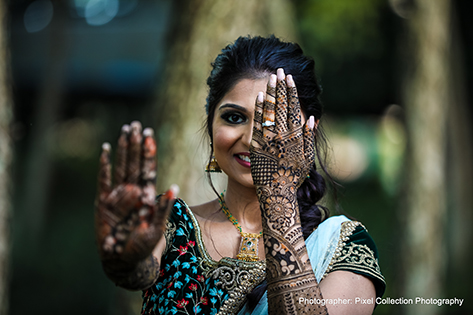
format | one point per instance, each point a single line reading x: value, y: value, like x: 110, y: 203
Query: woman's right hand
x: 128, y: 220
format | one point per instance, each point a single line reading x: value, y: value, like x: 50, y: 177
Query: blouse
x: 191, y: 282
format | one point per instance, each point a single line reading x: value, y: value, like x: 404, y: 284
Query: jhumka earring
x: 213, y: 166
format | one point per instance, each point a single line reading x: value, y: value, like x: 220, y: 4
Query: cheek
x: 223, y: 138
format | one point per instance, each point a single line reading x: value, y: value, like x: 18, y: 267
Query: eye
x: 234, y: 118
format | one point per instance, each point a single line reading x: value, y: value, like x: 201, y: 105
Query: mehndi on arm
x: 281, y: 157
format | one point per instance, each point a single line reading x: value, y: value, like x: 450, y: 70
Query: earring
x: 213, y: 166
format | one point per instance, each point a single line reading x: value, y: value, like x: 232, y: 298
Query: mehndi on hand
x: 128, y: 220
x: 282, y: 149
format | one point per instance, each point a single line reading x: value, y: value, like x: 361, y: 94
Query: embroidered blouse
x: 191, y: 282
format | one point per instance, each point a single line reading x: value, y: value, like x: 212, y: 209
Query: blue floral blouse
x: 190, y: 281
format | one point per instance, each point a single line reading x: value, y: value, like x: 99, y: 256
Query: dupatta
x: 321, y: 246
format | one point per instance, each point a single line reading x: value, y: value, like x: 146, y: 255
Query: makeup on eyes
x: 233, y: 114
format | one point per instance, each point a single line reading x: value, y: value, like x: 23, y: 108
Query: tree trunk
x: 38, y: 162
x: 427, y: 101
x: 203, y: 29
x: 5, y: 159
x: 460, y: 181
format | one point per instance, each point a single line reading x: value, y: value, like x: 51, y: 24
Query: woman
x: 282, y: 255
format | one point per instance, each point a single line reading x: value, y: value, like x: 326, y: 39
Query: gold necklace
x: 249, y: 241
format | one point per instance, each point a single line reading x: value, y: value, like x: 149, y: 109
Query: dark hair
x: 257, y: 57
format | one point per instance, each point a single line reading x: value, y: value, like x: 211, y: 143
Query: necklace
x: 249, y: 241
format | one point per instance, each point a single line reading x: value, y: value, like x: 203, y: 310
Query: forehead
x: 244, y: 93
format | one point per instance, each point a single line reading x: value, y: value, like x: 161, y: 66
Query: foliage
x: 352, y: 43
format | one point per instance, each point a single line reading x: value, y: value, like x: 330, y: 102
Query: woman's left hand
x: 282, y: 149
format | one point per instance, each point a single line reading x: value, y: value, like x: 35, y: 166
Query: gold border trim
x: 346, y: 230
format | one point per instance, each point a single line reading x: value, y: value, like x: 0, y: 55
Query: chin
x: 245, y: 180
x: 248, y: 182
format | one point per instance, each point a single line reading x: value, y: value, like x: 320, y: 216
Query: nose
x: 248, y: 134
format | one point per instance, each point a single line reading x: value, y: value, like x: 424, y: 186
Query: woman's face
x: 232, y: 129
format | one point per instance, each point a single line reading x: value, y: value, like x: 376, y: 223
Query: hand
x: 282, y: 154
x: 128, y: 221
x: 282, y: 150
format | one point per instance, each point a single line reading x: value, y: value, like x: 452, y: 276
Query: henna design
x: 128, y: 220
x: 142, y: 276
x: 269, y: 109
x: 281, y: 158
x: 285, y: 295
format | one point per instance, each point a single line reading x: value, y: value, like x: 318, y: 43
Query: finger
x: 105, y: 180
x: 148, y: 168
x: 152, y: 223
x: 269, y: 128
x: 294, y: 106
x: 258, y: 119
x: 309, y: 141
x: 281, y: 102
x: 257, y: 128
x: 133, y: 169
x: 164, y: 206
x: 121, y: 155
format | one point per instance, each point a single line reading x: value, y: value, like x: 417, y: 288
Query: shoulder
x: 178, y: 223
x: 206, y: 210
x: 180, y: 211
x: 340, y: 244
x: 356, y: 252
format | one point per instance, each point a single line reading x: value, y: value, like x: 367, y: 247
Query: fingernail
x: 135, y: 126
x: 173, y: 191
x: 148, y: 132
x: 126, y: 129
x: 281, y: 75
x: 106, y: 147
x: 290, y: 81
x: 260, y: 97
x: 311, y: 122
x: 272, y: 80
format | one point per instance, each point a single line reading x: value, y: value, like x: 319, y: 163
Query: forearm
x: 133, y: 277
x: 289, y: 272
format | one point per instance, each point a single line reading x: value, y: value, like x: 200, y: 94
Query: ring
x: 268, y: 123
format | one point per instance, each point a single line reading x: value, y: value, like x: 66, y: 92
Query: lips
x: 243, y: 158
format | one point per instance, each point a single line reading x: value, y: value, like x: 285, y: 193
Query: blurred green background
x: 81, y: 69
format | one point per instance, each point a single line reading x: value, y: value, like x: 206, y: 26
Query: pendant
x: 249, y: 247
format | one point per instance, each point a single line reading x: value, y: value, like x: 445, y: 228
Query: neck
x: 243, y: 204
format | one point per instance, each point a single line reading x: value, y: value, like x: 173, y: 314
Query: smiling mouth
x: 244, y: 158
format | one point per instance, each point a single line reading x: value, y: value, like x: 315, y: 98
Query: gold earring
x: 213, y: 166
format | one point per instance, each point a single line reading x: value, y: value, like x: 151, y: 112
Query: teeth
x: 244, y: 158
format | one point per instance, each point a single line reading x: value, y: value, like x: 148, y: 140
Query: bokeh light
x: 100, y: 12
x: 349, y: 157
x: 75, y: 138
x: 392, y: 141
x: 38, y: 15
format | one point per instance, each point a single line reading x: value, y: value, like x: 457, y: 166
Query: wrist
x: 138, y: 276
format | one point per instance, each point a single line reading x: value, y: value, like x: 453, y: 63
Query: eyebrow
x: 235, y: 106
